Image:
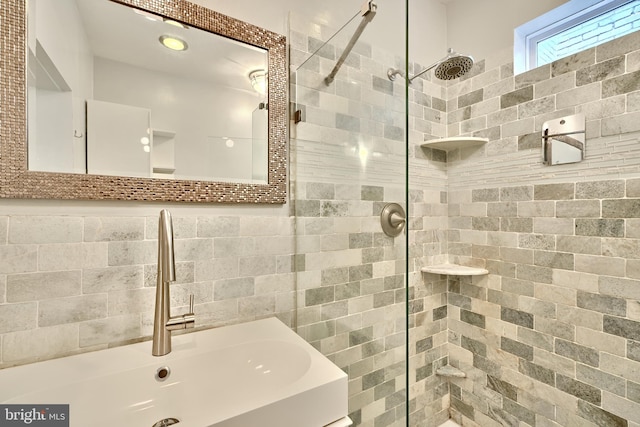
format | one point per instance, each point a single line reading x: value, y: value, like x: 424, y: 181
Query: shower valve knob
x: 393, y: 219
x: 396, y: 219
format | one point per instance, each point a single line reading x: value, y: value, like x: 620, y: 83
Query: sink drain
x: 166, y: 422
x: 162, y: 374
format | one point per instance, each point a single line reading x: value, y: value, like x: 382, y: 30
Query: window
x: 575, y: 26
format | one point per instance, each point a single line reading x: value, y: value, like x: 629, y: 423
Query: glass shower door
x: 348, y: 160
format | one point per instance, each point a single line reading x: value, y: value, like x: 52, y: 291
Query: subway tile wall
x: 72, y: 284
x: 550, y: 336
x: 349, y: 275
x: 429, y: 397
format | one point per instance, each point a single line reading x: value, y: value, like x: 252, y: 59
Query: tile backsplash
x: 78, y: 283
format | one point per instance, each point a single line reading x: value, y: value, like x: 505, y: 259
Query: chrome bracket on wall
x: 393, y: 219
x: 563, y: 140
x: 367, y: 11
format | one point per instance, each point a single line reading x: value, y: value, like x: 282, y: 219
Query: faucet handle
x: 184, y: 321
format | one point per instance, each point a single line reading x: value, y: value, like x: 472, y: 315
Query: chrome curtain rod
x: 368, y: 11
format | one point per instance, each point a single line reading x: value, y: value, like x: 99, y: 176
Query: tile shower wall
x: 348, y: 162
x: 71, y: 284
x: 350, y: 275
x: 551, y: 336
x: 428, y: 393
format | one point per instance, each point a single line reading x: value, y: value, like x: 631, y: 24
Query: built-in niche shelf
x: 454, y: 270
x: 454, y: 142
x: 162, y: 156
x: 163, y: 170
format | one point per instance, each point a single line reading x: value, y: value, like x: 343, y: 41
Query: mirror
x: 114, y: 114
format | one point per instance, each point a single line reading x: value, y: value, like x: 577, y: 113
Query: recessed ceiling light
x: 173, y: 43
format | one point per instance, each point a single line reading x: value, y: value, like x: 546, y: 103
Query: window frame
x: 566, y: 16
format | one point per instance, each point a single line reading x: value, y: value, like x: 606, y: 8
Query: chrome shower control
x: 392, y: 219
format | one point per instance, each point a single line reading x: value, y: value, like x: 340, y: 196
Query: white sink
x: 255, y: 374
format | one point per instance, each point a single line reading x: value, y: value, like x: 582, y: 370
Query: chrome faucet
x: 163, y: 323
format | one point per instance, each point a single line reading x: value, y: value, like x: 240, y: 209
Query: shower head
x: 450, y: 67
x: 454, y: 66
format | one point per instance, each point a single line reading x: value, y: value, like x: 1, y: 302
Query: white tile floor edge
x: 450, y: 424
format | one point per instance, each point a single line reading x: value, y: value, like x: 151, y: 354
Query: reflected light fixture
x: 258, y: 80
x: 174, y: 23
x: 173, y: 43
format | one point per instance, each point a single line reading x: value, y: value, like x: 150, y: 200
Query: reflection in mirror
x: 74, y: 76
x: 119, y: 91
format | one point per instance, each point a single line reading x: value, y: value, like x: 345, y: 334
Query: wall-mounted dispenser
x: 563, y: 140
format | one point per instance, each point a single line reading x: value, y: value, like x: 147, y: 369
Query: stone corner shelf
x: 454, y: 270
x: 450, y: 372
x: 454, y: 142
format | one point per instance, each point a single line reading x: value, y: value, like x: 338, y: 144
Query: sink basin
x: 255, y: 374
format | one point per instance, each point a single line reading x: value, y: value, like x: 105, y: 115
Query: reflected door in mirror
x: 118, y: 139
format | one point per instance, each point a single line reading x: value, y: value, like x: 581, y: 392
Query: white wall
x: 428, y: 31
x: 483, y: 27
x: 60, y: 32
x: 63, y: 51
x: 193, y: 110
x: 427, y: 22
x: 476, y: 27
x: 386, y: 30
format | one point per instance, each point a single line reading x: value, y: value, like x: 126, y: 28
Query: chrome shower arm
x: 393, y: 72
x: 368, y: 11
x: 450, y: 53
x: 431, y: 67
x: 450, y: 67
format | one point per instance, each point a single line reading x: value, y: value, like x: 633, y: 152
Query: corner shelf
x: 454, y: 142
x: 454, y: 270
x: 450, y: 372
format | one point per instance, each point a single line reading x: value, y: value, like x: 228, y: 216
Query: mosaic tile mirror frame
x: 16, y: 181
